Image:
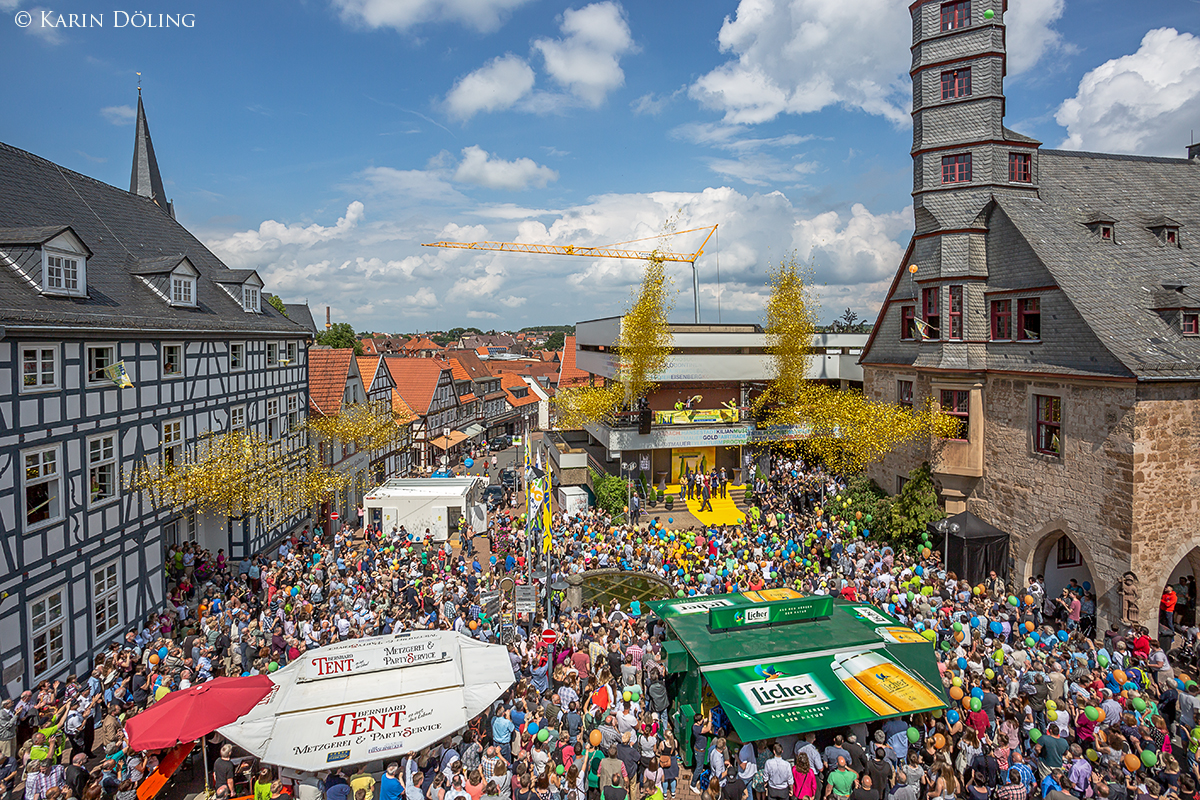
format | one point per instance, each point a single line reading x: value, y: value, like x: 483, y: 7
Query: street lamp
x: 627, y: 469
x: 945, y: 527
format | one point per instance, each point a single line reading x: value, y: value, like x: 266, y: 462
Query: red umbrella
x: 190, y: 714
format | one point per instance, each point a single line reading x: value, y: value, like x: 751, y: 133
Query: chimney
x: 328, y: 324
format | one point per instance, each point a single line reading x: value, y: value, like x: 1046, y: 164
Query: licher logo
x: 780, y: 692
x: 337, y: 755
x: 767, y: 672
x: 754, y: 615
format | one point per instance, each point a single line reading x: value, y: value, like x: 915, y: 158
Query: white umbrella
x: 372, y: 698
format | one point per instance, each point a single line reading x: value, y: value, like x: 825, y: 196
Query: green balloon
x: 559, y: 769
x: 914, y: 736
x: 1034, y: 735
x: 1139, y: 704
x: 976, y: 704
x: 1149, y: 758
x: 989, y: 14
x: 1092, y: 713
x: 543, y: 735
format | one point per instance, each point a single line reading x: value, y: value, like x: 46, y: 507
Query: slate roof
x: 122, y: 230
x: 328, y: 370
x: 301, y: 314
x: 1116, y: 285
x: 470, y: 362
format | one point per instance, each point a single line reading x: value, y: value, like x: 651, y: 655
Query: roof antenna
x: 139, y: 84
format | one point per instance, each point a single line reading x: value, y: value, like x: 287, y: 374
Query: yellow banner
x: 693, y: 416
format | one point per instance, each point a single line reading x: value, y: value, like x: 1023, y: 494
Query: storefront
x: 781, y: 664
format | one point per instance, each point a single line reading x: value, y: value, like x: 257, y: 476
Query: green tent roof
x: 854, y: 665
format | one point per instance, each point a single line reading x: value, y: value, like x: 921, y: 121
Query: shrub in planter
x: 670, y: 502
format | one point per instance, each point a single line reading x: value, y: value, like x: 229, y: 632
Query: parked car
x: 508, y: 478
x: 493, y: 496
x: 500, y: 443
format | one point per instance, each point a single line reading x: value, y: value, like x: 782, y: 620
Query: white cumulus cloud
x: 797, y: 56
x: 1143, y: 103
x: 482, y: 169
x: 481, y: 15
x: 272, y: 235
x: 586, y: 61
x: 119, y: 115
x: 496, y: 86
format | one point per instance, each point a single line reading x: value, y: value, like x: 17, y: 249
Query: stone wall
x: 1166, y: 464
x: 1087, y: 493
x: 880, y: 384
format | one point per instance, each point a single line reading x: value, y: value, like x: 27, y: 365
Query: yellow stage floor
x: 724, y: 512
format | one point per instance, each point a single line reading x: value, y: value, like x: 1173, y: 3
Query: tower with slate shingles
x: 1050, y: 301
x: 145, y: 179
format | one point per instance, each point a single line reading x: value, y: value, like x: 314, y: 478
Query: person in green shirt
x: 841, y: 780
x: 262, y: 784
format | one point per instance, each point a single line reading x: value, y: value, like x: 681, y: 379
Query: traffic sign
x: 549, y: 637
x: 334, y: 515
x: 526, y: 600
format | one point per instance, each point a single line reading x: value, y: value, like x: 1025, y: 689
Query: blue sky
x: 322, y: 141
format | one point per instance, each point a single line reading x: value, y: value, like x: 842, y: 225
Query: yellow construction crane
x: 607, y: 251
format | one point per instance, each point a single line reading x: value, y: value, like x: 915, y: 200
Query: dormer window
x: 1171, y: 235
x: 62, y: 274
x: 1106, y: 232
x: 64, y: 266
x: 1190, y: 323
x: 1103, y: 227
x: 250, y: 299
x: 183, y: 290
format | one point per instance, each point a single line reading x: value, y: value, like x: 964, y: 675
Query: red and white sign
x: 334, y: 515
x: 374, y: 654
x: 549, y: 637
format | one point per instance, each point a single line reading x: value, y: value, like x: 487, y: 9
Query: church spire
x: 145, y: 178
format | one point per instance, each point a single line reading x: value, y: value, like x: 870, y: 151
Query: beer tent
x: 779, y: 664
x: 372, y: 698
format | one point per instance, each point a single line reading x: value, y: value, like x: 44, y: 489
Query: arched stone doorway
x: 1182, y: 579
x: 1064, y: 562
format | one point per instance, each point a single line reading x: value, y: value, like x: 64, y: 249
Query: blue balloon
x: 974, y: 622
x: 533, y: 728
x: 962, y: 663
x: 920, y: 570
x: 952, y: 716
x: 162, y: 652
x: 1063, y: 636
x: 469, y: 462
x: 996, y: 627
x: 977, y: 692
x: 1087, y: 586
x: 670, y: 520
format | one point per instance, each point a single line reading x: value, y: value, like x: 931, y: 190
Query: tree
x: 555, y: 342
x: 915, y: 507
x: 610, y: 491
x: 340, y: 337
x: 277, y: 304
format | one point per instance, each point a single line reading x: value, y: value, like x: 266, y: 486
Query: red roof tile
x: 416, y: 379
x: 510, y: 382
x: 568, y: 373
x: 327, y: 372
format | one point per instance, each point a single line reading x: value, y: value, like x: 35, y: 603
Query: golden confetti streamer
x: 642, y: 348
x: 849, y: 431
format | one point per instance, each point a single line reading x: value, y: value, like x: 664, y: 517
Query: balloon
x: 939, y: 741
x: 1092, y: 755
x: 543, y: 735
x: 989, y: 14
x: 1013, y: 601
x: 914, y: 735
x: 956, y: 693
x: 533, y: 728
x: 996, y: 627
x: 956, y: 681
x: 974, y: 622
x: 1092, y: 713
x: 473, y: 625
x: 1149, y: 758
x: 1029, y: 641
x: 670, y: 520
x: 1119, y: 677
x: 1063, y: 636
x: 1028, y: 599
x: 977, y: 693
x: 1131, y: 762
x: 958, y: 626
x: 627, y: 696
x: 272, y: 667
x: 952, y: 716
x: 1102, y: 660
x: 154, y: 658
x: 1034, y: 735
x: 989, y: 673
x: 976, y: 704
x: 295, y: 591
x: 558, y: 770
x: 1051, y: 707
x: 962, y: 662
x: 469, y: 462
x: 1029, y: 626
x: 594, y: 737
x: 1139, y: 704
x: 162, y: 652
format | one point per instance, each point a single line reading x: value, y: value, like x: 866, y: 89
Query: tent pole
x: 204, y: 758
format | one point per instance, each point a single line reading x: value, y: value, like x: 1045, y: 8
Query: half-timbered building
x: 122, y: 338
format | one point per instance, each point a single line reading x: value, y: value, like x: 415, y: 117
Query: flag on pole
x: 117, y: 374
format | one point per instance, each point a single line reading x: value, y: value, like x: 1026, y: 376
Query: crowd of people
x: 1041, y: 705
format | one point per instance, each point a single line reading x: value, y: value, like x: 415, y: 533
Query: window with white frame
x: 102, y: 469
x: 63, y: 275
x: 99, y: 357
x: 293, y: 407
x: 171, y: 533
x: 183, y: 290
x: 172, y: 360
x: 172, y: 443
x: 250, y: 298
x: 273, y: 418
x: 39, y: 367
x: 106, y: 600
x: 272, y: 354
x: 293, y: 352
x: 47, y: 633
x: 237, y: 356
x: 237, y: 418
x: 43, y: 486
x: 189, y: 527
